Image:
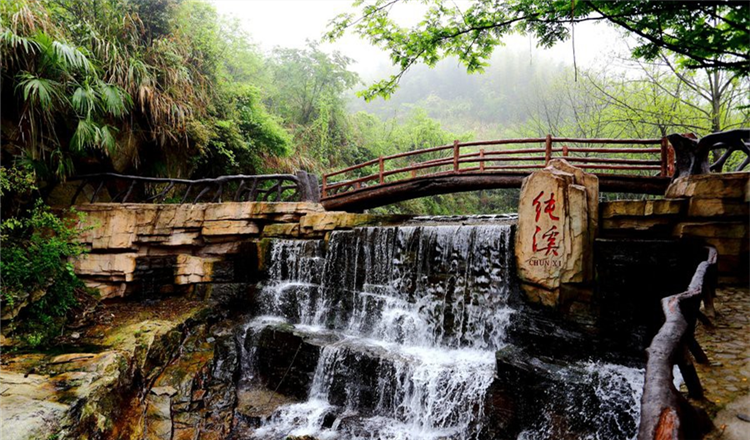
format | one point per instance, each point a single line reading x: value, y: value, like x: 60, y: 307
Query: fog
x: 291, y: 23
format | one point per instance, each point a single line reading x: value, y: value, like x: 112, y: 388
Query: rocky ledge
x: 131, y: 375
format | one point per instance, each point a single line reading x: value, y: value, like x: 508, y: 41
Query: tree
x: 673, y: 99
x: 309, y: 86
x: 305, y: 78
x: 704, y: 34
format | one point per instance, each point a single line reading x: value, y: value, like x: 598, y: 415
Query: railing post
x: 413, y: 172
x: 664, y: 155
x: 323, y: 192
x: 381, y: 165
x: 565, y: 151
x: 455, y: 156
x: 548, y: 150
x: 481, y: 159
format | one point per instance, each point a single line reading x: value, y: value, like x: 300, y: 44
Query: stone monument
x: 557, y: 224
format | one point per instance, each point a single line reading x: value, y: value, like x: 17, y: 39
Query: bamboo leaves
x: 163, y: 79
x: 68, y: 56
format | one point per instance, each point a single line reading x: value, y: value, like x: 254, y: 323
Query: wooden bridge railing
x: 665, y: 413
x: 495, y: 156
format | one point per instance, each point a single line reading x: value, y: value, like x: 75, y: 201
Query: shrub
x: 36, y: 248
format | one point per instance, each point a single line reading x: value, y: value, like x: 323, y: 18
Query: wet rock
x: 195, y: 393
x: 28, y: 407
x: 158, y: 417
x: 286, y: 360
x: 633, y: 276
x: 535, y: 394
x: 254, y: 405
x: 80, y: 394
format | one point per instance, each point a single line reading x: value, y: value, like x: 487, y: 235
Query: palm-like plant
x: 91, y: 86
x: 55, y: 78
x: 90, y: 78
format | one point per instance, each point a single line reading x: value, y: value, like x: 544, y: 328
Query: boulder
x: 276, y: 347
x: 555, y: 231
x: 588, y: 181
x: 281, y: 230
x: 535, y: 393
x: 190, y: 269
x: 229, y: 227
x: 717, y: 229
x: 113, y: 266
x: 623, y: 208
x: 23, y: 298
x: 109, y: 228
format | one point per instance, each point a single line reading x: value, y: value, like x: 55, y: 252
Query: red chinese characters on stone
x: 549, y: 238
x: 549, y: 206
x: 548, y: 242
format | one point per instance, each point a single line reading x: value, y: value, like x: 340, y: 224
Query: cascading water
x: 411, y: 317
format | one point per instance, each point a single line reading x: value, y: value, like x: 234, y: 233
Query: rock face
x: 80, y: 394
x: 557, y: 224
x: 151, y: 248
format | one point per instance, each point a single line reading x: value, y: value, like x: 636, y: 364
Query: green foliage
x: 35, y: 266
x: 18, y: 190
x: 129, y: 84
x: 703, y: 34
x: 307, y: 93
x: 304, y: 78
x: 237, y: 144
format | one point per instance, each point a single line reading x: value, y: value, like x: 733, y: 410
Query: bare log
x: 302, y: 186
x: 692, y: 153
x: 665, y: 413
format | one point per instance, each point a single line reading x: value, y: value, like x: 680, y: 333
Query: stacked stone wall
x: 708, y: 209
x: 152, y: 249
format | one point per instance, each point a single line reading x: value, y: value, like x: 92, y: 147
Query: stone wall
x: 706, y: 209
x: 151, y: 248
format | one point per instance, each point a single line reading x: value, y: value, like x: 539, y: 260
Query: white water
x: 427, y: 304
x: 614, y: 411
x: 426, y: 286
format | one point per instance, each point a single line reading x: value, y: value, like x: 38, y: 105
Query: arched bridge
x: 622, y: 165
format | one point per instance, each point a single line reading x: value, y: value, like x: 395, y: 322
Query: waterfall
x: 411, y: 317
x: 426, y: 286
